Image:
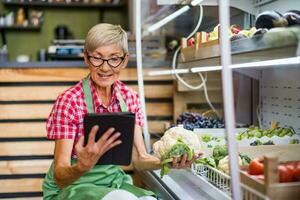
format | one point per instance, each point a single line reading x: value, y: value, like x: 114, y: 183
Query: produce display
x: 175, y: 142
x: 271, y: 19
x: 294, y: 141
x: 255, y: 131
x: 282, y: 35
x: 252, y: 136
x: 258, y: 142
x: 256, y: 167
x: 287, y: 171
x: 207, y: 138
x: 275, y: 135
x: 209, y: 161
x: 192, y: 121
x: 220, y: 159
x: 264, y: 22
x: 293, y: 17
x: 272, y: 29
x: 224, y: 164
x: 219, y: 152
x: 235, y: 32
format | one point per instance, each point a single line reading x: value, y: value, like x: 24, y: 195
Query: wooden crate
x: 271, y: 186
x: 200, y: 51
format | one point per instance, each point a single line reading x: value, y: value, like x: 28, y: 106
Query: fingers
x: 80, y: 143
x: 195, y: 157
x: 183, y: 160
x: 106, y: 142
x: 113, y: 138
x: 200, y: 154
x: 175, y: 162
x: 111, y: 142
x: 106, y: 135
x: 92, y: 135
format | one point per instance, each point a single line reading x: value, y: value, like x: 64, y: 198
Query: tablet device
x: 123, y: 122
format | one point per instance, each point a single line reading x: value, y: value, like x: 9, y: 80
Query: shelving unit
x: 4, y: 29
x: 276, y: 68
x: 64, y: 57
x: 18, y: 27
x: 100, y: 12
x: 62, y: 5
x: 243, y: 51
x: 247, y: 50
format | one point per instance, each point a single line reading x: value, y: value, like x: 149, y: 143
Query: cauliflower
x: 170, y: 138
x: 224, y: 164
x: 174, y: 143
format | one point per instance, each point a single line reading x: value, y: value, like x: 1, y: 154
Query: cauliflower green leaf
x: 177, y: 150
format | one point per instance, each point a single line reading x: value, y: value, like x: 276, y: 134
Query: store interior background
x: 28, y: 90
x: 80, y: 20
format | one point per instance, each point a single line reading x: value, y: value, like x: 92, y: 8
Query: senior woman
x: 74, y: 173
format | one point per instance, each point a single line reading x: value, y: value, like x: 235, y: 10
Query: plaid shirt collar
x: 96, y: 99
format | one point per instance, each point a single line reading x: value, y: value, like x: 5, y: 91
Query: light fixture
x: 167, y: 19
x: 196, y: 2
x: 266, y: 63
x: 172, y: 16
x: 168, y: 72
x: 205, y: 69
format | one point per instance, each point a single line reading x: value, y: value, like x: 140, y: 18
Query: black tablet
x: 123, y: 122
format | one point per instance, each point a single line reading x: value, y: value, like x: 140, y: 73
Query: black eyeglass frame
x: 122, y: 60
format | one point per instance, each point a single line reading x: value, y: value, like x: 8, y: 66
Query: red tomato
x: 293, y: 164
x: 191, y: 41
x: 285, y: 173
x: 256, y: 167
x: 292, y: 170
x: 235, y: 29
x: 297, y: 172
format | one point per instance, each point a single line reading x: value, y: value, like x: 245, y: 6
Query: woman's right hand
x: 87, y: 156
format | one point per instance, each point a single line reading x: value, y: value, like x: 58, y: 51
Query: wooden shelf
x: 241, y: 50
x: 63, y: 4
x: 19, y: 27
x: 64, y: 57
x: 247, y: 50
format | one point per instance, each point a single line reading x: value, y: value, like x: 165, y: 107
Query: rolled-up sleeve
x: 62, y: 121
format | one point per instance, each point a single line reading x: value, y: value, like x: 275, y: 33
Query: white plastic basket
x: 222, y: 182
x: 213, y: 176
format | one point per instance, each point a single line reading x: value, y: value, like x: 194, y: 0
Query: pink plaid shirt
x: 66, y: 118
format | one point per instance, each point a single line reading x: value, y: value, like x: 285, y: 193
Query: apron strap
x: 88, y: 95
x: 123, y: 105
x: 89, y: 100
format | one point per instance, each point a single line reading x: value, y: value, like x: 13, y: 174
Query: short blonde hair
x: 105, y: 34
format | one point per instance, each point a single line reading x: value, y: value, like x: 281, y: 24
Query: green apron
x: 100, y: 180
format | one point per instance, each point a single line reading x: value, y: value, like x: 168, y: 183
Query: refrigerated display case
x: 265, y: 86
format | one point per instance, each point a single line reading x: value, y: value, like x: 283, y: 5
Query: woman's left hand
x: 182, y: 162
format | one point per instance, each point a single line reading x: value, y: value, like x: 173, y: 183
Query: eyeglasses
x: 113, y: 62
